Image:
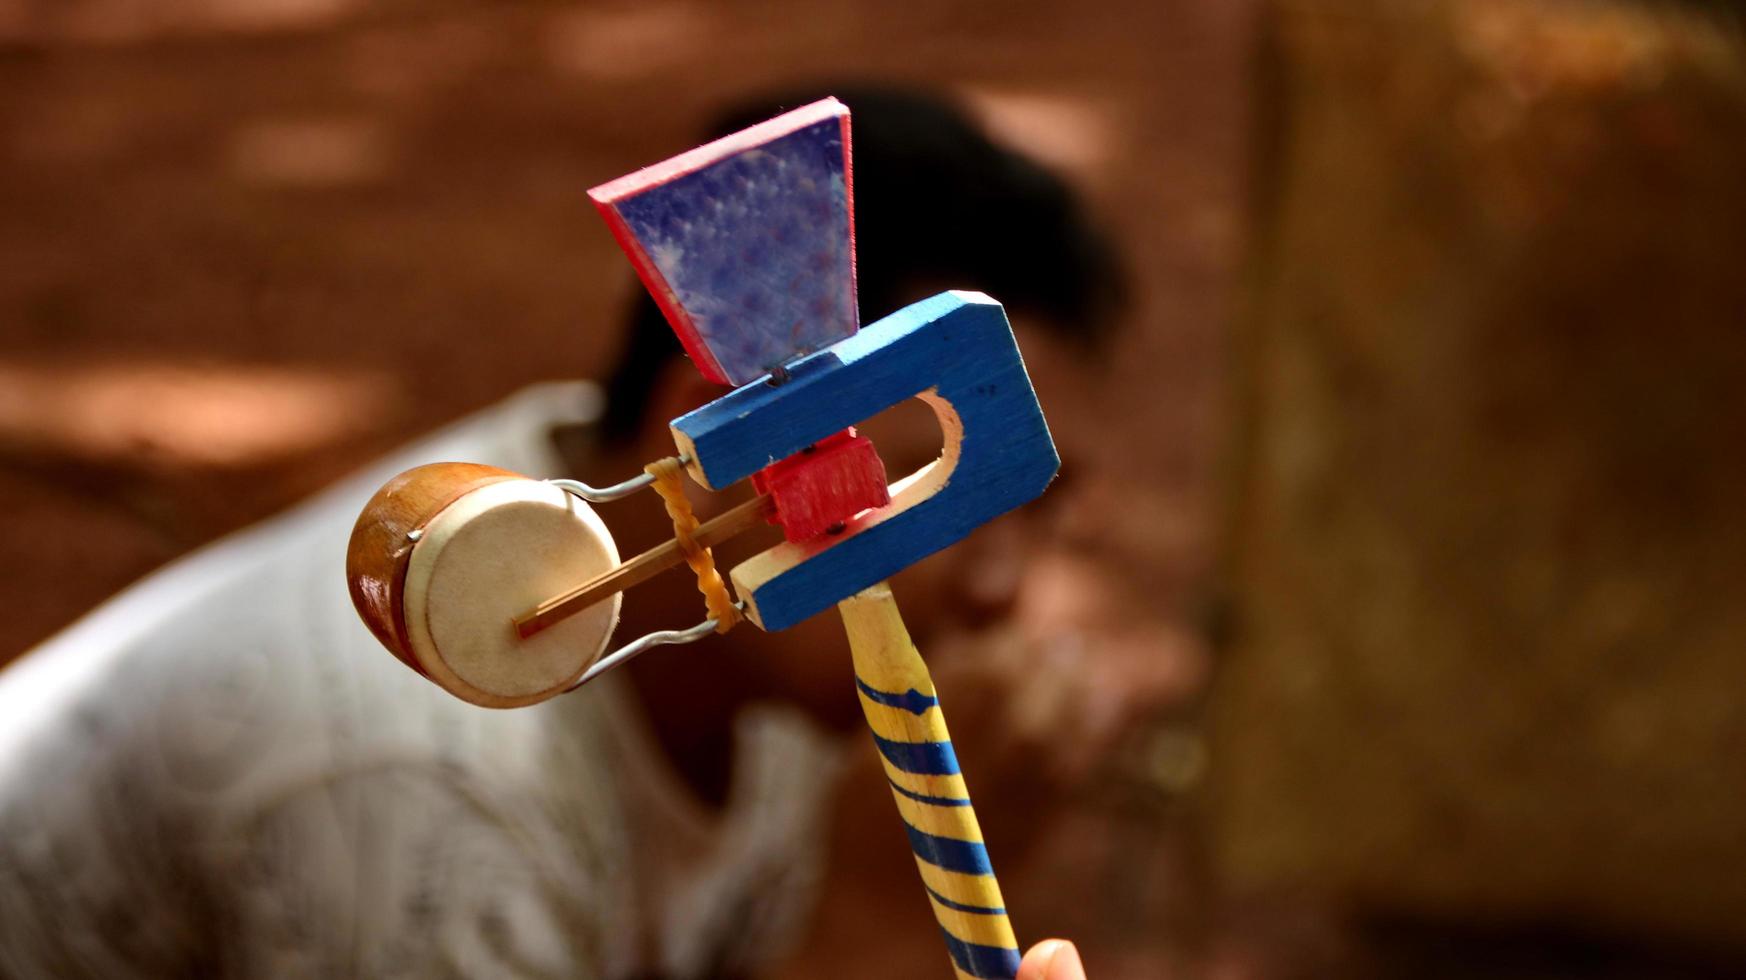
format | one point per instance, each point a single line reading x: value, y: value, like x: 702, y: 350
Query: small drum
x: 444, y: 557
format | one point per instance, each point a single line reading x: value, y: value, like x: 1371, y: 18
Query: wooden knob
x: 443, y: 558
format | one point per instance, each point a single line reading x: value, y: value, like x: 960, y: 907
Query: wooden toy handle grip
x: 897, y: 696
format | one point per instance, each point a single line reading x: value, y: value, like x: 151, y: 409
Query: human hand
x: 1052, y: 959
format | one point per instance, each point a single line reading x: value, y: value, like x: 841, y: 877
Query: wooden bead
x: 443, y: 558
x: 823, y: 486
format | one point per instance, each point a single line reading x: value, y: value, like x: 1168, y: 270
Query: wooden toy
x: 468, y: 574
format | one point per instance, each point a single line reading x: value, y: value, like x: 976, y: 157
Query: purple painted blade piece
x: 748, y: 243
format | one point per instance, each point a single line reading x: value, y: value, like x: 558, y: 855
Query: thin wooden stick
x: 641, y: 568
x: 897, y: 696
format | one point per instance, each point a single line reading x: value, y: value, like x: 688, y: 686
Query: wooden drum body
x: 444, y: 557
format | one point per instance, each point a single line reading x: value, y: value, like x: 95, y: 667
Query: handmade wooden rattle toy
x: 504, y: 590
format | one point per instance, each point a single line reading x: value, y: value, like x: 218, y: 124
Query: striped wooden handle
x: 897, y: 696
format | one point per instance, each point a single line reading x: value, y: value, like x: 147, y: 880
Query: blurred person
x: 219, y: 772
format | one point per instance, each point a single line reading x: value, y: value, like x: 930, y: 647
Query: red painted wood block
x: 823, y: 486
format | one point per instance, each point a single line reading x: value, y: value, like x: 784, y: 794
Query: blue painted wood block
x: 956, y: 351
x: 747, y: 243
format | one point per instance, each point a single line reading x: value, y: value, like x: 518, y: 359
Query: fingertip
x: 1052, y: 959
x: 1065, y: 964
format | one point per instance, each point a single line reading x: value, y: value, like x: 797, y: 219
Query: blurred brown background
x: 1485, y: 551
x: 1435, y: 339
x: 347, y: 223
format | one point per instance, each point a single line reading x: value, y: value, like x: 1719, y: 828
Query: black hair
x: 938, y: 205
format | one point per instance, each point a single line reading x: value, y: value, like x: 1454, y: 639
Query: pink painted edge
x: 696, y: 159
x: 656, y: 284
x: 849, y: 207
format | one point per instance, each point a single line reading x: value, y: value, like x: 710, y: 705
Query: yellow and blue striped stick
x: 897, y: 696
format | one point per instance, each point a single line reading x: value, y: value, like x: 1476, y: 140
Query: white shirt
x: 221, y: 772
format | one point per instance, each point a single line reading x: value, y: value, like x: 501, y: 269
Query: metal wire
x: 604, y: 495
x: 637, y: 647
x: 641, y: 645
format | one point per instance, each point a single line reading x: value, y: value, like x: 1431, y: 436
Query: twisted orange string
x: 669, y: 484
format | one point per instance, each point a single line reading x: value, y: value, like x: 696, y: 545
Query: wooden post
x: 1486, y: 546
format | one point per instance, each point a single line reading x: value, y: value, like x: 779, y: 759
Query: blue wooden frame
x: 954, y: 350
